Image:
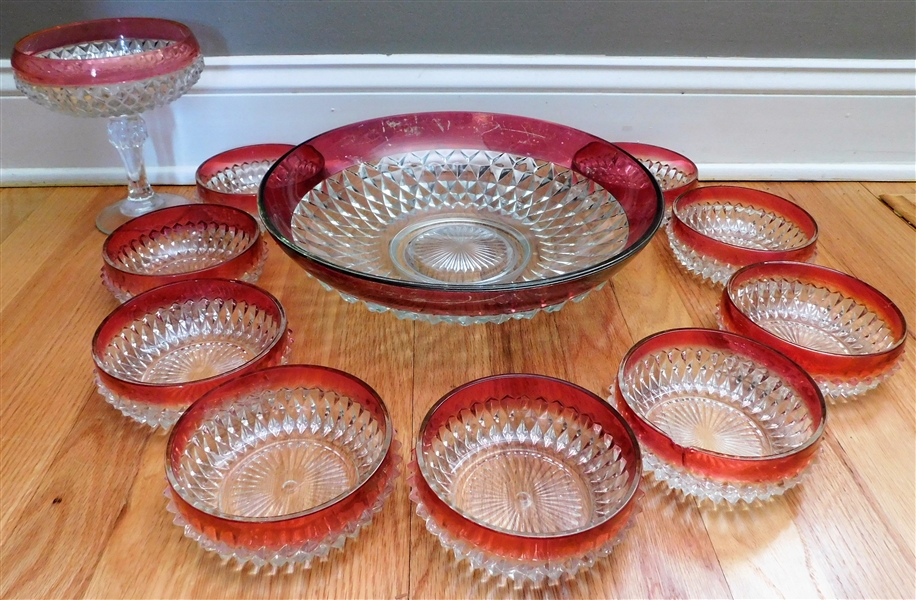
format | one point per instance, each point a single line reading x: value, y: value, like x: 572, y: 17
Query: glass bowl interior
x: 746, y: 219
x: 720, y: 403
x: 234, y: 176
x: 528, y: 456
x: 817, y: 309
x: 189, y: 331
x: 278, y: 444
x: 460, y: 202
x: 180, y: 240
x: 674, y: 172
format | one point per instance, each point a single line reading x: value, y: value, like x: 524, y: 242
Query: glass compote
x: 113, y: 68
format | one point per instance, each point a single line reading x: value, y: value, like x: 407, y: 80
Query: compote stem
x: 127, y: 135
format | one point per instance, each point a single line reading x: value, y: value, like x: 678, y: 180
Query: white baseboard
x: 777, y: 119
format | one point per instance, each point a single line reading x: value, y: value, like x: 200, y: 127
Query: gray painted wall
x: 764, y: 28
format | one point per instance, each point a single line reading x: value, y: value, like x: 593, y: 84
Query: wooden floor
x: 82, y: 513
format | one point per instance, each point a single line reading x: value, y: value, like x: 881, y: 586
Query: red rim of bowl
x: 186, y: 214
x: 236, y: 156
x: 285, y: 376
x: 815, y: 361
x: 659, y: 154
x: 177, y: 394
x: 104, y: 71
x: 313, y: 161
x: 739, y: 255
x: 503, y: 542
x: 718, y: 465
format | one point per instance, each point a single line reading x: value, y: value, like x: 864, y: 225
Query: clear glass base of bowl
x: 708, y: 269
x: 293, y: 556
x: 716, y: 491
x: 457, y: 319
x: 114, y: 215
x: 524, y: 574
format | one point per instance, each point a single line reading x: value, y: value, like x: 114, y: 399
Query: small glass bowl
x: 845, y: 333
x: 719, y: 416
x: 278, y: 467
x: 232, y: 178
x: 163, y: 349
x: 526, y: 477
x: 716, y: 230
x: 192, y: 241
x: 675, y: 173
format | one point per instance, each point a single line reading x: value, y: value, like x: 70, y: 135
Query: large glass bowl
x: 845, y: 333
x: 460, y: 217
x: 193, y: 241
x: 165, y: 348
x: 716, y: 230
x: 526, y: 477
x: 280, y: 466
x: 719, y: 416
x: 675, y: 173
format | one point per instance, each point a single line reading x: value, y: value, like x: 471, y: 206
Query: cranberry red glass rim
x: 176, y: 292
x: 799, y: 216
x: 38, y: 70
x: 295, y: 250
x: 108, y: 252
x: 818, y: 274
x: 219, y: 162
x: 635, y: 470
x: 659, y: 153
x: 224, y: 395
x: 695, y: 336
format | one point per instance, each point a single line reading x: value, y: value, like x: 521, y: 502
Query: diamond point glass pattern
x: 164, y: 348
x: 182, y: 242
x: 281, y: 466
x: 529, y: 489
x: 460, y: 217
x: 720, y: 417
x: 233, y: 177
x: 845, y: 333
x: 716, y: 230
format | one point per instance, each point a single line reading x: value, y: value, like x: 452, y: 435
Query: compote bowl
x: 117, y: 69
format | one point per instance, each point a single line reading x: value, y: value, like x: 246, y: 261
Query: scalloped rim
x: 250, y: 276
x: 519, y: 572
x: 837, y: 389
x: 160, y: 416
x: 292, y: 556
x: 454, y: 319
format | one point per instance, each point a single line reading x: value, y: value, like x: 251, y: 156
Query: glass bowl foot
x: 121, y: 212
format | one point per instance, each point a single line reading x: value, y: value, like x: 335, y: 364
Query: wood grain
x: 82, y: 513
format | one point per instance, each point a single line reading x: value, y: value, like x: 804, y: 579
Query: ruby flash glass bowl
x: 845, y: 333
x: 280, y: 466
x: 233, y: 177
x: 116, y: 69
x: 526, y: 477
x: 163, y: 349
x: 460, y: 217
x: 182, y: 242
x: 716, y: 230
x: 719, y: 416
x: 674, y: 172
